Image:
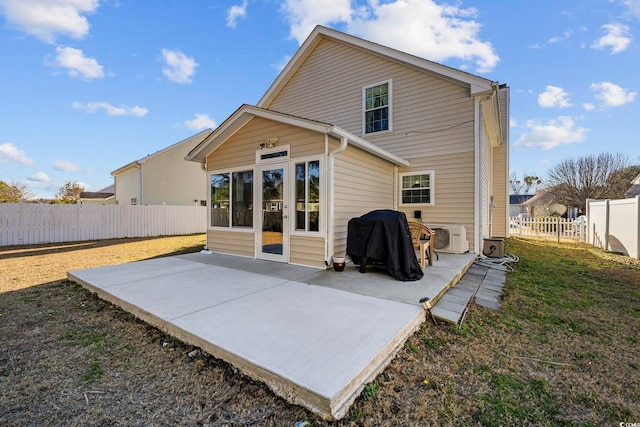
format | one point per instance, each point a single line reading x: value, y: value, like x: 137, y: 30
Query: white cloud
x: 236, y: 12
x: 77, y: 64
x: 40, y: 178
x: 304, y: 15
x: 633, y: 6
x: 554, y: 96
x: 420, y: 27
x: 48, y: 19
x: 617, y: 38
x: 10, y: 153
x: 555, y: 132
x: 588, y: 106
x: 65, y: 166
x: 612, y: 95
x: 201, y: 121
x: 282, y: 63
x: 111, y: 110
x: 565, y: 36
x: 178, y: 67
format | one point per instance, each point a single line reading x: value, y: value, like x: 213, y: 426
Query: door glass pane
x: 272, y: 204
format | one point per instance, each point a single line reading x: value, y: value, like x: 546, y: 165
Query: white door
x: 273, y: 219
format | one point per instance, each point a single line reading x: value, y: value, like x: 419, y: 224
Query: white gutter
x: 477, y: 200
x: 330, y: 198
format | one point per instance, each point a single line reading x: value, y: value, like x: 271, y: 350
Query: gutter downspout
x: 141, y: 202
x: 330, y: 198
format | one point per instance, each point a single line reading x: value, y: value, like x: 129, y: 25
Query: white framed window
x: 273, y: 154
x: 307, y: 193
x: 231, y: 199
x: 376, y: 108
x: 417, y: 188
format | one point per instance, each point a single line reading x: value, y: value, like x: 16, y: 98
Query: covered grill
x: 383, y: 237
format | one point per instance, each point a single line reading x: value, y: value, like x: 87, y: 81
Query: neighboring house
x: 163, y: 177
x: 105, y: 196
x: 348, y: 127
x: 634, y: 190
x: 516, y: 206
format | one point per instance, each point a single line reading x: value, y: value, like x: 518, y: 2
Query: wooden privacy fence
x: 31, y: 223
x: 614, y: 225
x: 548, y: 227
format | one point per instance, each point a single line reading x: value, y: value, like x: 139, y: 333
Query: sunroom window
x: 417, y: 188
x: 232, y: 199
x: 308, y: 196
x: 377, y: 103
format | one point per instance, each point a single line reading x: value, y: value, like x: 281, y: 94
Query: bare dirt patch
x: 564, y: 350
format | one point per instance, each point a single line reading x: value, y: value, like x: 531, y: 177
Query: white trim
x: 278, y: 149
x: 477, y: 199
x: 286, y: 217
x: 432, y: 187
x: 323, y: 197
x: 389, y: 83
x: 230, y: 227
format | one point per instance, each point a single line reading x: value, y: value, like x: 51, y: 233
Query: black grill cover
x: 383, y: 237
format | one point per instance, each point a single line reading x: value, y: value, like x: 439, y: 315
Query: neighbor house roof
x: 246, y: 112
x: 517, y: 199
x: 194, y: 139
x: 634, y: 190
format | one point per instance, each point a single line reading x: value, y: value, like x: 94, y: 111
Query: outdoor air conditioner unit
x: 450, y: 238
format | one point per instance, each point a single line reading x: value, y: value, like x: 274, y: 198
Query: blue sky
x: 87, y: 86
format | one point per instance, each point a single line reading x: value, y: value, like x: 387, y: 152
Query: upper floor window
x: 417, y: 188
x: 377, y: 107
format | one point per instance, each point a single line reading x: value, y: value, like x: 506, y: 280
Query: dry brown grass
x: 564, y: 350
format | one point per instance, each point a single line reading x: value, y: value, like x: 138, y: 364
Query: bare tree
x: 69, y: 192
x: 527, y: 182
x: 14, y: 192
x: 576, y: 180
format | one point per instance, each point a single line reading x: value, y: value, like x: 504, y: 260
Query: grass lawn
x: 564, y: 350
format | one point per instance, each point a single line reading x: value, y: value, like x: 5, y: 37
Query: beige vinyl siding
x: 170, y: 179
x: 454, y: 191
x: 306, y: 250
x: 432, y: 120
x: 240, y: 149
x: 362, y: 183
x: 127, y: 185
x: 500, y: 192
x: 231, y: 242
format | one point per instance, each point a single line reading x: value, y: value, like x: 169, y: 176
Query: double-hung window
x: 416, y: 188
x: 232, y: 199
x: 307, y: 195
x: 377, y: 107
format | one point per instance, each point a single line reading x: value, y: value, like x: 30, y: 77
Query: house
x: 105, y: 196
x: 516, y: 201
x: 634, y: 190
x: 163, y: 177
x: 347, y: 127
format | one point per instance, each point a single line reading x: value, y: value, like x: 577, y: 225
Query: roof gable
x: 194, y: 139
x: 476, y: 84
x: 245, y: 113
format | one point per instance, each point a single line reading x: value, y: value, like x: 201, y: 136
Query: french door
x: 273, y: 219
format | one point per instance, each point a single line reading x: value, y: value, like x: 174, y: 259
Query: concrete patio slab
x: 315, y: 337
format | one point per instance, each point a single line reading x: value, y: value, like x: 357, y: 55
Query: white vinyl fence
x: 548, y: 227
x: 32, y: 223
x: 614, y: 225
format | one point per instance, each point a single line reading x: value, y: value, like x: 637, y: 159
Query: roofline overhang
x: 477, y: 85
x: 246, y: 112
